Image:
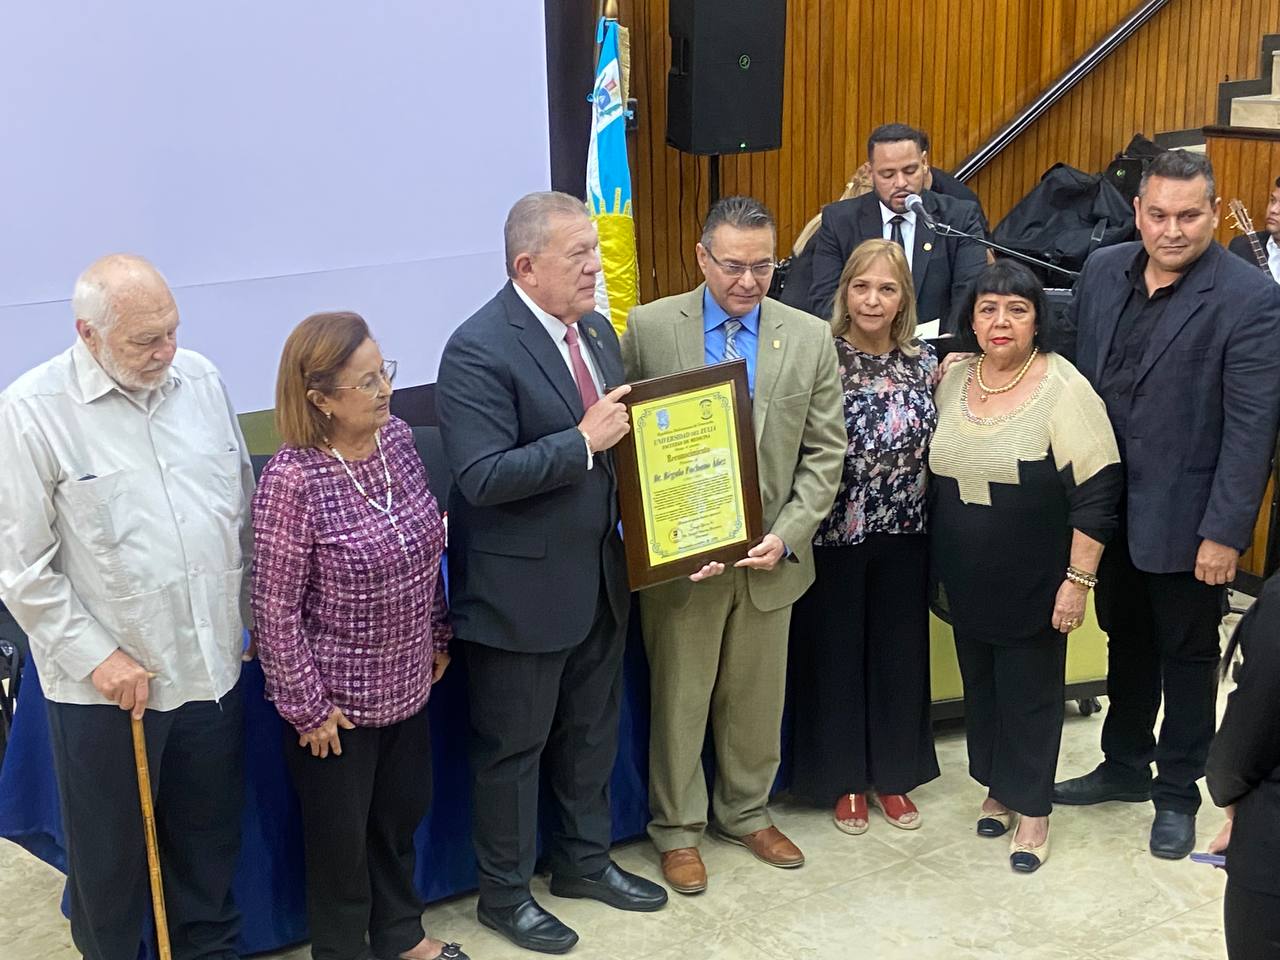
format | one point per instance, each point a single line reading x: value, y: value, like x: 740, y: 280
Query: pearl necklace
x: 384, y: 509
x: 987, y: 391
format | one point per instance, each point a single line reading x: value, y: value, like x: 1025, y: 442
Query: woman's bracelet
x: 1083, y: 577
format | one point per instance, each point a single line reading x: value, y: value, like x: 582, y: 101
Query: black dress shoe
x: 528, y: 925
x: 1105, y: 782
x: 613, y: 886
x: 1173, y: 834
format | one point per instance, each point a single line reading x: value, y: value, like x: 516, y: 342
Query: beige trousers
x: 715, y: 657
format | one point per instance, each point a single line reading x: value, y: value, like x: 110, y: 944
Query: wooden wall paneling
x: 1218, y: 38
x: 1165, y: 70
x: 833, y: 168
x: 1178, y: 94
x: 1246, y: 167
x: 816, y: 101
x: 1205, y: 74
x: 960, y: 69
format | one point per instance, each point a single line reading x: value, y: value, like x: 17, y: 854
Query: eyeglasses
x: 370, y: 385
x: 759, y: 270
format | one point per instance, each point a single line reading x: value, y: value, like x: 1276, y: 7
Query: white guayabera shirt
x: 124, y: 522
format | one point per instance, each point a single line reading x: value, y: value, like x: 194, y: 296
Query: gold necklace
x: 987, y: 391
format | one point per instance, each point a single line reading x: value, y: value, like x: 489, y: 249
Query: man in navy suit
x: 528, y: 400
x: 1182, y: 341
x: 941, y: 267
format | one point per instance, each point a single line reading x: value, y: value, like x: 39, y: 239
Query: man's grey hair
x: 745, y: 213
x: 93, y: 299
x: 526, y: 228
x: 1180, y: 165
x: 92, y: 303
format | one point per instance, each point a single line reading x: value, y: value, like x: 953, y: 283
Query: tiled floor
x: 939, y: 893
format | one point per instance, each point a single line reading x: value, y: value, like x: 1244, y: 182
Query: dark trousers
x: 1013, y: 716
x: 1163, y: 639
x: 195, y: 757
x: 1252, y: 922
x: 859, y: 665
x: 359, y: 814
x: 561, y: 707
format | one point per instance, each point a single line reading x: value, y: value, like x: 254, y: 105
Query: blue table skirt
x: 269, y: 879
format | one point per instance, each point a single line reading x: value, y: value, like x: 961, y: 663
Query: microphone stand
x: 947, y: 230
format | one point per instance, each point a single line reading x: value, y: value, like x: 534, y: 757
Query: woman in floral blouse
x: 860, y: 636
x: 352, y: 632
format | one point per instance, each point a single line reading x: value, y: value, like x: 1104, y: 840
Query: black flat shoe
x: 1102, y: 784
x: 528, y: 925
x: 994, y: 824
x: 1173, y: 834
x: 613, y: 886
x: 1026, y: 858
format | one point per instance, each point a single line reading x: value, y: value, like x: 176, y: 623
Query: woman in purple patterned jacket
x: 352, y: 632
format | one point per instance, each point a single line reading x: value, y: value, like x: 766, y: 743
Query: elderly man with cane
x: 124, y: 534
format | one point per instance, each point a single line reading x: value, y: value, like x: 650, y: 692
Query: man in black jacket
x: 941, y: 267
x: 1268, y: 238
x: 1182, y: 341
x: 1243, y: 775
x: 528, y: 403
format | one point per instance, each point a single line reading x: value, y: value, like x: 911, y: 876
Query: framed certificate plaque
x: 688, y: 483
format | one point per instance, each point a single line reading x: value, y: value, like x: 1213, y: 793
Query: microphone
x: 915, y: 205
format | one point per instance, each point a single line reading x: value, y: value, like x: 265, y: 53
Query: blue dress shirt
x: 713, y: 319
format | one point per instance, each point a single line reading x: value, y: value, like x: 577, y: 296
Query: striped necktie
x: 731, y: 328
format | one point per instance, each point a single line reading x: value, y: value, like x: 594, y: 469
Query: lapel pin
x: 591, y: 330
x: 928, y: 247
x: 777, y: 344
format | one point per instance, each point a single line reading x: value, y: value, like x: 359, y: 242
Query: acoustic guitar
x: 1240, y: 220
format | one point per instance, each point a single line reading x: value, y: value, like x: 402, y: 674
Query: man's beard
x: 128, y: 379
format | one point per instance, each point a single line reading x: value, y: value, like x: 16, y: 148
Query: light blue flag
x: 609, y: 184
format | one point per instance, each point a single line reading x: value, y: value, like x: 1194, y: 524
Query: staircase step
x: 1256, y: 112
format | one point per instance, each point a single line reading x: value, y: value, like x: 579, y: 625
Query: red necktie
x: 581, y: 373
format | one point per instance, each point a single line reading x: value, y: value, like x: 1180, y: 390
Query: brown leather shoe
x: 683, y: 870
x: 770, y: 845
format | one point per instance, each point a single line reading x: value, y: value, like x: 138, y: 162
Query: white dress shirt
x: 908, y: 229
x: 1273, y: 257
x: 556, y: 330
x: 124, y: 523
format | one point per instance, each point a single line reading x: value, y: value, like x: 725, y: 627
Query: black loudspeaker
x: 724, y: 91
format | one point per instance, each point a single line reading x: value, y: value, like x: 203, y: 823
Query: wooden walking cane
x: 149, y: 828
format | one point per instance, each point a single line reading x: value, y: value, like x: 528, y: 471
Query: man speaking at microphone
x: 941, y: 266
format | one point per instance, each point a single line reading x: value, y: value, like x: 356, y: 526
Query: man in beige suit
x: 717, y: 646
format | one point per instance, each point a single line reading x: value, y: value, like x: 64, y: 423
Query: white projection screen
x: 274, y: 158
